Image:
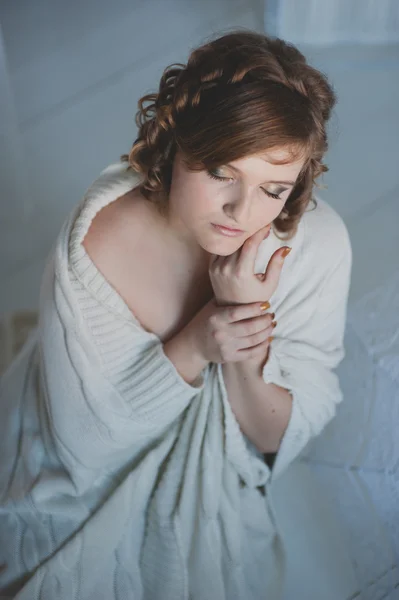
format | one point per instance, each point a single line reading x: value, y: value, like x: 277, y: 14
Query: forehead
x: 267, y: 163
x: 283, y: 155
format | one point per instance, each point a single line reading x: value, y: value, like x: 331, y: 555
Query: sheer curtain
x: 333, y: 21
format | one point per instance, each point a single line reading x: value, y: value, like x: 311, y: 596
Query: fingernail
x: 285, y: 252
x: 265, y: 306
x: 274, y: 323
x: 270, y: 339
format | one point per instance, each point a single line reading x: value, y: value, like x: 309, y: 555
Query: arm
x: 297, y: 381
x: 108, y: 385
x: 263, y: 419
x: 262, y: 409
x: 183, y: 354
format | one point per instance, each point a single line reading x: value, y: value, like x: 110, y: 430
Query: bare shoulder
x: 115, y: 237
x: 129, y: 246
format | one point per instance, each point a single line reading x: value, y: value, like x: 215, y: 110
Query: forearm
x: 182, y: 353
x: 262, y: 409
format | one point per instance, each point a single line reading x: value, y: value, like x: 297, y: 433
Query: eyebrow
x: 237, y: 170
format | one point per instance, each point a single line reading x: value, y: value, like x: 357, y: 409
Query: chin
x: 223, y: 248
x: 228, y: 252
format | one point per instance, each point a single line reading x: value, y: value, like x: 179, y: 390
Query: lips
x: 226, y: 231
x: 229, y: 228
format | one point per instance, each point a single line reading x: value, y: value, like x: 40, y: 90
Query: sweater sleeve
x: 101, y: 414
x: 109, y: 389
x: 304, y: 362
x: 131, y: 358
x: 133, y: 362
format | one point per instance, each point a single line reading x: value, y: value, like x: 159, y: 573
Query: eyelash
x: 212, y: 176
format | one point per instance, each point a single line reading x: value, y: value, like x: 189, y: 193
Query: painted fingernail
x: 274, y: 323
x: 273, y: 315
x: 270, y: 339
x: 265, y: 306
x: 285, y: 252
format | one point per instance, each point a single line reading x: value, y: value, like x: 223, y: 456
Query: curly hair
x: 241, y: 94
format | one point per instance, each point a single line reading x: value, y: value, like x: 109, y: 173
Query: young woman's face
x: 251, y: 195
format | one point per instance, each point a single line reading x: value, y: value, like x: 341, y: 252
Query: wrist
x: 184, y: 354
x: 223, y: 302
x: 191, y: 342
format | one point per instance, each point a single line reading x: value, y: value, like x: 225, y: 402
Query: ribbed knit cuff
x: 155, y: 389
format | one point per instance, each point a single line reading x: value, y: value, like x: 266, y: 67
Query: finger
x: 257, y: 338
x: 253, y: 340
x: 213, y: 260
x: 249, y: 327
x: 261, y: 349
x: 275, y: 266
x: 239, y: 312
x: 229, y: 261
x: 249, y: 249
x: 226, y: 264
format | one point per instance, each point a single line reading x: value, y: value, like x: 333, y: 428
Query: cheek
x: 193, y: 207
x: 266, y: 213
x: 203, y: 202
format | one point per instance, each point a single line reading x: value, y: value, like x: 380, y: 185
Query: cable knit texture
x: 121, y: 481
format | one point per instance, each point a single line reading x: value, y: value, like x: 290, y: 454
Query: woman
x: 137, y: 418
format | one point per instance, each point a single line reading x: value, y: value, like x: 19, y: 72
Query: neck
x: 179, y: 242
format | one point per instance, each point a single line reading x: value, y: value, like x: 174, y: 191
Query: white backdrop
x: 333, y: 21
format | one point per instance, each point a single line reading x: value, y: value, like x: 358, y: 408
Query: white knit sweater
x: 119, y: 480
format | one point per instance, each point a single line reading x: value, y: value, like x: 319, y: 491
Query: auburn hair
x: 240, y: 94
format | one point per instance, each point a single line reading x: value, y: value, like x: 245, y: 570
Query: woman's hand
x: 233, y: 279
x: 222, y: 334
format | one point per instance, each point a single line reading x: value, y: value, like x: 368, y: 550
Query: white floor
x: 77, y: 69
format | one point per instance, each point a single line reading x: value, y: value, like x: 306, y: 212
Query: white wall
x: 333, y: 21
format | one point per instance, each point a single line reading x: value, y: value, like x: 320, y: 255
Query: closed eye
x: 275, y: 196
x: 218, y: 178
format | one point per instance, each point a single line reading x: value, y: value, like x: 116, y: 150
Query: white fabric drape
x: 333, y: 21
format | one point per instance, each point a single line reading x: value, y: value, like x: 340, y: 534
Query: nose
x: 239, y: 208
